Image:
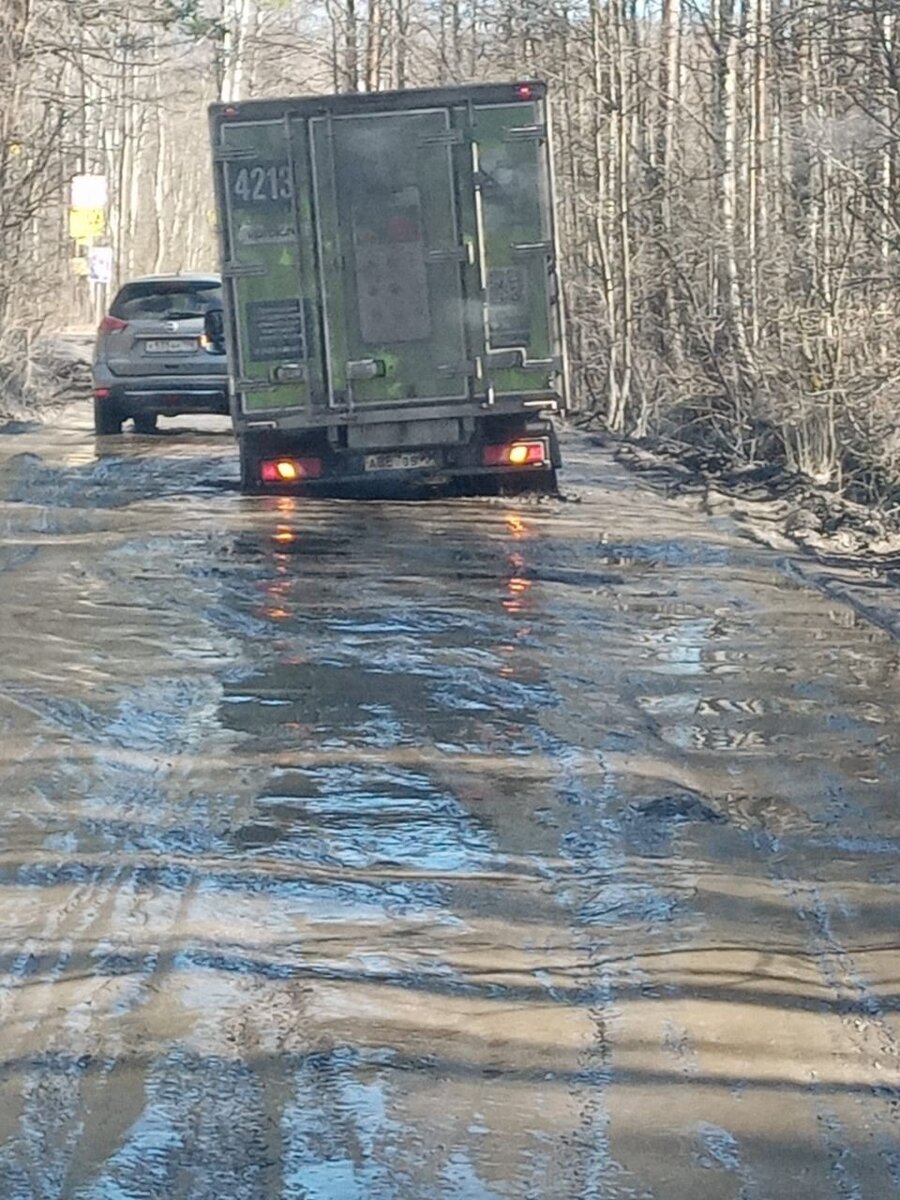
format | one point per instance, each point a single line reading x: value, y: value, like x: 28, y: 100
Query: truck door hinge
x: 457, y: 254
x: 446, y: 137
x: 235, y: 270
x: 526, y: 249
x: 253, y: 385
x: 542, y: 364
x: 469, y: 370
x: 227, y: 154
x: 526, y: 133
x: 516, y: 358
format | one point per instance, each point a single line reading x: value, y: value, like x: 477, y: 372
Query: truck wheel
x: 250, y: 485
x: 545, y: 484
x: 107, y: 418
x: 479, y: 485
x: 534, y: 483
x: 144, y: 423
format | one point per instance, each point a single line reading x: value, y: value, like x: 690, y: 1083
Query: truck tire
x: 107, y: 418
x: 531, y: 483
x: 250, y: 482
x: 545, y: 484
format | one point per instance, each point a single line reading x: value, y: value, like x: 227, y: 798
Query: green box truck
x: 392, y: 311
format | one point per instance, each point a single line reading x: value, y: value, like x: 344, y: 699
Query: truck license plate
x: 171, y: 346
x: 408, y: 461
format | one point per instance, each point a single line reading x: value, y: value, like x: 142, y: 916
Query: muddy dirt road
x: 458, y: 849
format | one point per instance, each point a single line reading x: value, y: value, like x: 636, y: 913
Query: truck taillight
x: 525, y: 91
x: 290, y: 470
x: 517, y: 454
x: 112, y: 325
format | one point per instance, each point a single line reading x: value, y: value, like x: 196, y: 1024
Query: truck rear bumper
x: 413, y: 484
x: 287, y: 465
x: 385, y: 480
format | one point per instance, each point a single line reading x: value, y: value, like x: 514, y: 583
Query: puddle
x: 453, y: 849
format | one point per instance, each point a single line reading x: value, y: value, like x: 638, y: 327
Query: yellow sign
x: 86, y: 223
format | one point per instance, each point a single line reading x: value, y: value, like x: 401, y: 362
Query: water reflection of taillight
x: 112, y: 325
x: 290, y: 470
x: 517, y: 454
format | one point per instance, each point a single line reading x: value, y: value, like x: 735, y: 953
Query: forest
x: 727, y: 177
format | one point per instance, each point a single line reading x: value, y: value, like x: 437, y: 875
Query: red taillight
x: 290, y: 470
x: 101, y: 393
x: 525, y: 91
x: 112, y: 325
x: 516, y: 454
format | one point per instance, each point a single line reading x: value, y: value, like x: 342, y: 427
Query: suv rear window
x: 166, y: 299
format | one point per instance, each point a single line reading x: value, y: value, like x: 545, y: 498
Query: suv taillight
x: 112, y: 325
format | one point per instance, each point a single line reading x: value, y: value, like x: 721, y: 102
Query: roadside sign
x: 89, y: 191
x: 100, y: 264
x: 86, y: 223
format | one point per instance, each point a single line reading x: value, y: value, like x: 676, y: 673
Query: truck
x: 392, y: 311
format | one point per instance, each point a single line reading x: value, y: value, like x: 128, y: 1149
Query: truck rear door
x: 269, y: 266
x: 389, y: 251
x: 511, y: 164
x: 391, y: 256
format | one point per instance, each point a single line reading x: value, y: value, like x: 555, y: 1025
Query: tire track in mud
x: 864, y: 1028
x: 73, y: 1057
x: 756, y: 813
x: 449, y: 850
x: 84, y: 1060
x: 53, y: 1075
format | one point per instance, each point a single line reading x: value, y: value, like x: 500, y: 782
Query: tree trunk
x: 373, y: 47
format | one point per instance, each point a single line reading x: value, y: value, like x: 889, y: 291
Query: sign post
x: 87, y: 224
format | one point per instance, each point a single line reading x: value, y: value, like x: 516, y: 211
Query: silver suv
x: 152, y: 357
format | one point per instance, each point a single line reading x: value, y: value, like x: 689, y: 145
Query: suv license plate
x: 400, y: 462
x: 171, y: 346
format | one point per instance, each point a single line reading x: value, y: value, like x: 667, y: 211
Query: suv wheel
x: 107, y: 418
x: 144, y: 423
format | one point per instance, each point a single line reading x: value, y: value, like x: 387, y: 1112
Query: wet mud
x: 464, y: 849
